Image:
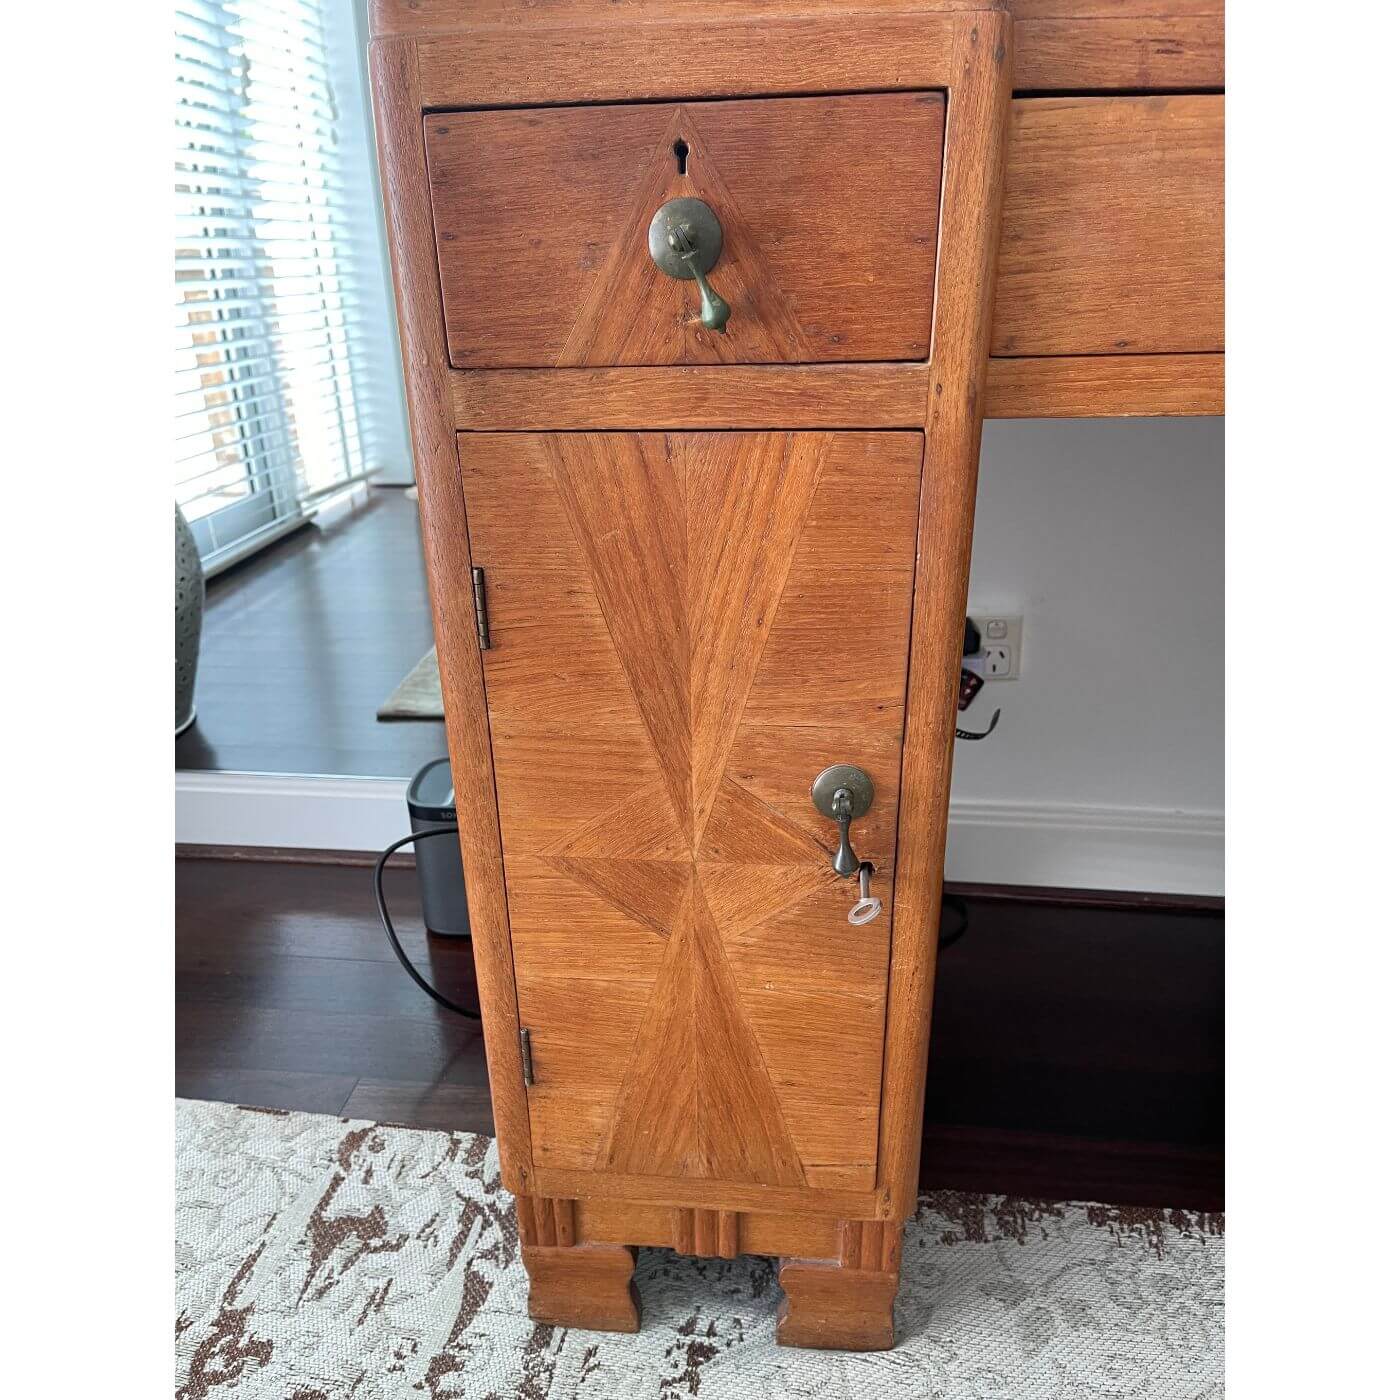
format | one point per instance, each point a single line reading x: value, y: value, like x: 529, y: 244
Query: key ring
x: 868, y: 906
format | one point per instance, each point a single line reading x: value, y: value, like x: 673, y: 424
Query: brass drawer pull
x: 843, y: 793
x: 685, y: 240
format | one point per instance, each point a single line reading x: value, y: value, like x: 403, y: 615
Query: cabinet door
x: 685, y: 629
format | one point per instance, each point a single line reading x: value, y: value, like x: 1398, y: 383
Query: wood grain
x: 745, y: 1196
x: 545, y: 1222
x: 968, y: 238
x: 1023, y: 10
x: 846, y: 275
x: 420, y: 18
x: 800, y: 1233
x: 1061, y: 45
x: 692, y: 396
x: 871, y: 1244
x: 586, y: 1285
x: 671, y: 607
x: 846, y: 1304
x: 766, y: 56
x: 683, y: 958
x: 1022, y: 1100
x: 397, y: 107
x: 1105, y: 386
x: 1136, y: 51
x: 1112, y: 236
x: 832, y: 396
x: 708, y: 1234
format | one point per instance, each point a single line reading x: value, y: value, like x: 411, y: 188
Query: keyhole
x: 682, y: 155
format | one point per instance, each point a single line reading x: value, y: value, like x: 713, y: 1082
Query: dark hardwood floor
x: 1078, y: 1051
x: 304, y: 642
x: 287, y: 995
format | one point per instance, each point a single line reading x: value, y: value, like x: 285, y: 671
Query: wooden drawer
x: 829, y: 207
x: 1113, y: 227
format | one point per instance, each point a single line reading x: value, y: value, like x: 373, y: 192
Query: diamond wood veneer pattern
x: 688, y: 542
x: 661, y: 692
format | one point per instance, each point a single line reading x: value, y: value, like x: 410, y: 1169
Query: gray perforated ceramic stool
x: 189, y: 619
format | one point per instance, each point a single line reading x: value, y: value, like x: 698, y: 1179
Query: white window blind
x: 279, y: 297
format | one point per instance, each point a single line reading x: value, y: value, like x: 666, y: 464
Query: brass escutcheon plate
x: 701, y: 226
x: 831, y: 780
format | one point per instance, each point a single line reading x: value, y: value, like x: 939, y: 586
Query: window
x: 281, y: 304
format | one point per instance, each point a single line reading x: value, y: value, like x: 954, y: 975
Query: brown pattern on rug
x: 321, y: 1259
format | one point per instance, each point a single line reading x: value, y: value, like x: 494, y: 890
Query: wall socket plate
x: 1001, y: 645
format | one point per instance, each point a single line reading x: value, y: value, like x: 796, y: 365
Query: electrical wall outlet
x: 1001, y: 645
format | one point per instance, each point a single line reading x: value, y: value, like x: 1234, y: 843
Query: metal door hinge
x: 483, y: 627
x: 527, y: 1060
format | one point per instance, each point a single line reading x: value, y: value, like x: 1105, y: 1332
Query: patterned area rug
x: 418, y: 695
x: 324, y: 1259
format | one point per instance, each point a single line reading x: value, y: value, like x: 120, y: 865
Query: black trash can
x: 441, y: 886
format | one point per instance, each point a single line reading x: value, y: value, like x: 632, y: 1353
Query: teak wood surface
x: 686, y: 627
x: 829, y: 207
x: 1106, y: 386
x: 398, y: 106
x: 671, y: 610
x: 1113, y: 227
x: 1110, y: 298
x: 706, y: 582
x: 1136, y: 183
x: 287, y: 996
x: 1061, y: 45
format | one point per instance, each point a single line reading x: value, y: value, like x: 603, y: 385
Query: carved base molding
x: 580, y: 1268
x: 574, y: 1284
x: 873, y: 1245
x: 545, y: 1222
x: 709, y: 1234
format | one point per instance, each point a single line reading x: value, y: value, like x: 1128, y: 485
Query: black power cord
x: 384, y: 918
x: 948, y: 936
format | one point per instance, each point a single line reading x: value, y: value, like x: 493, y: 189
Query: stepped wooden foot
x: 584, y: 1285
x: 845, y: 1304
x: 575, y: 1285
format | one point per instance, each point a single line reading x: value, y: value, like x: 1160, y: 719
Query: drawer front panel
x: 828, y: 205
x: 685, y: 629
x: 1113, y: 228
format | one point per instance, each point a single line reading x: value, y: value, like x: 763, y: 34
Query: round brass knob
x: 685, y: 240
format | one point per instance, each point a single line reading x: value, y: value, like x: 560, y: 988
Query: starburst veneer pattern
x: 686, y: 628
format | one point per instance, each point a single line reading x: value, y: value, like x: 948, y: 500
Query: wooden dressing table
x: 702, y: 307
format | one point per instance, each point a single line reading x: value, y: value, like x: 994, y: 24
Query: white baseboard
x: 1159, y: 850
x: 996, y: 843
x: 280, y: 809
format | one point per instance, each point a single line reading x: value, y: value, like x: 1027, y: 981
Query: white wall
x: 1106, y: 770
